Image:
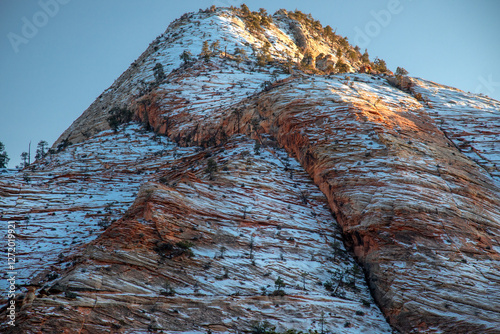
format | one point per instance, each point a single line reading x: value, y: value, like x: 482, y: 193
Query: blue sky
x: 75, y: 49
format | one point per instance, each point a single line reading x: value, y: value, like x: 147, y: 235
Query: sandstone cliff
x: 263, y: 186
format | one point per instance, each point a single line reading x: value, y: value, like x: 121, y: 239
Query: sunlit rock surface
x: 243, y: 193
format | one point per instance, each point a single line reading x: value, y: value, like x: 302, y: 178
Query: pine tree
x: 328, y: 30
x: 214, y: 47
x: 205, y: 51
x: 288, y: 66
x: 242, y: 52
x: 211, y: 167
x: 117, y: 117
x: 307, y: 60
x: 41, y: 150
x: 186, y: 56
x: 353, y: 55
x: 401, y: 72
x: 279, y: 284
x: 159, y: 73
x: 329, y: 33
x: 341, y: 66
x: 25, y: 159
x: 240, y: 55
x: 365, y: 58
x: 244, y: 9
x: 4, y: 158
x: 380, y: 65
x: 264, y: 57
x: 266, y: 47
x: 256, y: 148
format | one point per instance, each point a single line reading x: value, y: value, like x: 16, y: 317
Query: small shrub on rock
x: 119, y: 116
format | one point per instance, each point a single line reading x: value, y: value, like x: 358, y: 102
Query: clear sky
x: 57, y: 56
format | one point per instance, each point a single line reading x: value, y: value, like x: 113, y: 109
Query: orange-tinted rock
x: 411, y: 177
x: 415, y: 208
x: 257, y: 218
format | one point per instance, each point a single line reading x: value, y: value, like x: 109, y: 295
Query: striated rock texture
x: 262, y: 185
x: 257, y: 218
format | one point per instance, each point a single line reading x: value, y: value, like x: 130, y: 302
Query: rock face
x: 257, y: 218
x: 421, y: 216
x: 324, y: 62
x: 243, y: 193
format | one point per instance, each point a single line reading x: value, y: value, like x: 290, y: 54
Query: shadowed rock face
x: 264, y: 175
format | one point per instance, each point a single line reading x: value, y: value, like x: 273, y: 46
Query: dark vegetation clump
x: 4, y: 158
x: 119, y: 116
x: 279, y: 285
x: 63, y: 144
x: 211, y: 167
x: 169, y: 250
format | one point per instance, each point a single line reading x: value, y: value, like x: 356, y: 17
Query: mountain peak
x: 282, y: 43
x: 257, y: 173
